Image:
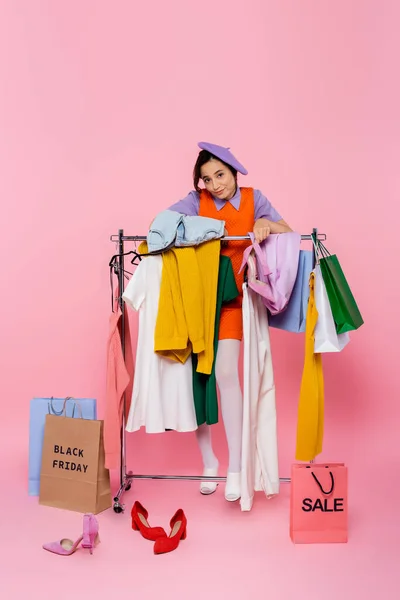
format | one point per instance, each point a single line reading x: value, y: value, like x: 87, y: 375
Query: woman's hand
x: 261, y: 229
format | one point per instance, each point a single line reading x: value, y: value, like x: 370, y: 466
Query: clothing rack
x: 127, y: 477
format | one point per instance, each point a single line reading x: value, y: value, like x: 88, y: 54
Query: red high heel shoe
x: 139, y: 523
x: 178, y: 532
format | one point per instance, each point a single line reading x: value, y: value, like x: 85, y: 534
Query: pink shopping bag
x: 318, y: 503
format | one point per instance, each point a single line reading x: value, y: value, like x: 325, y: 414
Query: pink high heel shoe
x: 89, y: 538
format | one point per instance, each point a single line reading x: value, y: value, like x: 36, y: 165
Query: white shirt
x: 259, y: 434
x: 162, y: 396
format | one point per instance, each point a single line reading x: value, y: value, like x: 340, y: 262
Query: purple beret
x: 224, y: 154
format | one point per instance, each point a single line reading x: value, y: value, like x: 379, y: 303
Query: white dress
x: 260, y: 470
x: 162, y: 396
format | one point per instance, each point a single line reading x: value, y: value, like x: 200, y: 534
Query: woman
x: 243, y: 210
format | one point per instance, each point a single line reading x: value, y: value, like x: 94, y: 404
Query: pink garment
x: 119, y: 380
x: 277, y: 260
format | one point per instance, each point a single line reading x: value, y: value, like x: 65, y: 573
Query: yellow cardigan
x: 187, y: 303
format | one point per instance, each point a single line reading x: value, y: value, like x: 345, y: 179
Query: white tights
x: 227, y: 375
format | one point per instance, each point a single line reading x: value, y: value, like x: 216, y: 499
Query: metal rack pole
x: 143, y: 238
x: 126, y: 478
x: 125, y: 483
x: 121, y: 284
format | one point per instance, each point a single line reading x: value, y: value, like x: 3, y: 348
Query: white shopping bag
x: 326, y: 339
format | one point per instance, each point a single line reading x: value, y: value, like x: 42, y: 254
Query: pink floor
x: 227, y: 554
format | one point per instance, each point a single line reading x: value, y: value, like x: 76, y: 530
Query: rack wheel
x: 118, y: 508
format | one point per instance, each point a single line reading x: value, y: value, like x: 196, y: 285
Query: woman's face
x: 218, y: 179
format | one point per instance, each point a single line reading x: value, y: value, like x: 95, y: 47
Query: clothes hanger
x: 115, y: 267
x: 114, y: 259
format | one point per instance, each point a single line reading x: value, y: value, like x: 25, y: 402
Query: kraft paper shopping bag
x: 73, y: 475
x: 318, y: 503
x: 39, y: 408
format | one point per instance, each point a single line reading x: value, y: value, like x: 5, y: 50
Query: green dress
x: 205, y: 386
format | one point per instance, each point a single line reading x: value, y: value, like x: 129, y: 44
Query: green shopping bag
x: 345, y: 311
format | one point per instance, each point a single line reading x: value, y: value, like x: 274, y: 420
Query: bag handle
x: 320, y: 486
x: 51, y: 408
x: 62, y: 412
x: 76, y: 403
x: 320, y: 250
x: 58, y: 413
x: 260, y: 255
x: 316, y: 250
x: 324, y: 250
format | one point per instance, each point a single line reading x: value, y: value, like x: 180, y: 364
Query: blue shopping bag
x: 39, y: 408
x: 293, y: 318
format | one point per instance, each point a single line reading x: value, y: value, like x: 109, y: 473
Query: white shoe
x: 232, y: 487
x: 209, y: 487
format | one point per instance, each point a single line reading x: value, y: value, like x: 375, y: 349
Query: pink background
x: 101, y: 107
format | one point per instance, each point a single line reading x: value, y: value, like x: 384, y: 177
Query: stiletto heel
x: 178, y: 532
x: 139, y: 523
x: 92, y: 545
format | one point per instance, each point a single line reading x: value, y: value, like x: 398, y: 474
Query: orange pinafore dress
x: 237, y: 222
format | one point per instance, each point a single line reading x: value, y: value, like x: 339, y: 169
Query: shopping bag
x: 39, y: 408
x: 345, y: 311
x: 326, y: 338
x: 73, y: 475
x: 318, y: 503
x: 277, y: 259
x: 293, y: 318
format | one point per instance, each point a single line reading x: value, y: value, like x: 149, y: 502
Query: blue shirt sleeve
x: 263, y: 208
x: 188, y: 206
